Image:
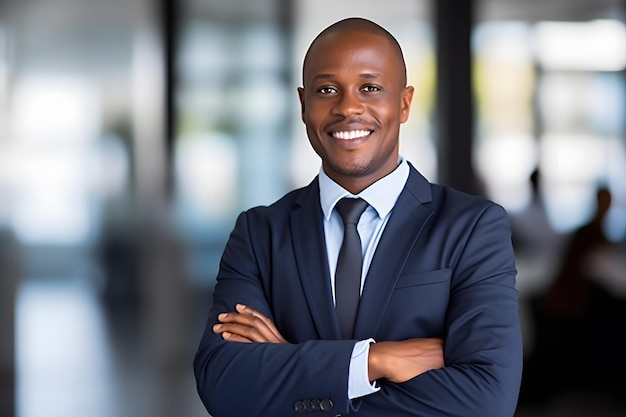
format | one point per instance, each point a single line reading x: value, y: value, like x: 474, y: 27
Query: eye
x: 327, y: 90
x: 370, y: 88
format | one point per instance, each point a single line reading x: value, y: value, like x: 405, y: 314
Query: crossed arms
x: 258, y: 358
x: 395, y: 361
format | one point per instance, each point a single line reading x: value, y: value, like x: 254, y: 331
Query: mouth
x: 351, y: 134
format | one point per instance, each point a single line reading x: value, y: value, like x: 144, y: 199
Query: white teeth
x: 351, y: 134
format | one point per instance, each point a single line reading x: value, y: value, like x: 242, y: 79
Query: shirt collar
x: 381, y: 195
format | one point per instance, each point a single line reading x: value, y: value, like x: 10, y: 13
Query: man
x: 436, y: 332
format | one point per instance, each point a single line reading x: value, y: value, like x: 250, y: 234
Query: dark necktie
x: 349, y: 265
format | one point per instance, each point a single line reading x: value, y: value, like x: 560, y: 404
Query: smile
x: 351, y: 134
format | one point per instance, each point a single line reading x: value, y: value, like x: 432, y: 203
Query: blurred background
x: 133, y: 132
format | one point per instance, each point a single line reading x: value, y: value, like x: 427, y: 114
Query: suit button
x: 326, y: 405
x: 315, y: 405
x: 299, y: 407
x: 307, y: 405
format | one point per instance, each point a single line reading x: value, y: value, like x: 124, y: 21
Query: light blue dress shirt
x: 381, y: 197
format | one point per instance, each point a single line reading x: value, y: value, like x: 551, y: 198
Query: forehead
x: 350, y: 51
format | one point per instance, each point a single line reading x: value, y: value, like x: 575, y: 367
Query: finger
x: 243, y: 309
x: 248, y: 326
x: 239, y: 331
x: 240, y: 318
x: 251, y: 317
x: 262, y: 328
x: 232, y: 337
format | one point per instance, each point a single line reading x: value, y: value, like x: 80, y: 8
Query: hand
x: 247, y: 325
x: 400, y: 361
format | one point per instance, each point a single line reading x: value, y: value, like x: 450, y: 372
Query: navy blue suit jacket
x: 444, y: 267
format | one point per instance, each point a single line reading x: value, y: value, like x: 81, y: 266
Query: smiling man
x: 422, y: 321
x: 353, y: 101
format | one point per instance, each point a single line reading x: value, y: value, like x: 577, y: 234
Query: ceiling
x: 97, y: 36
x: 537, y: 10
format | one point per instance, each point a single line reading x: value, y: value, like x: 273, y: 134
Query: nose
x: 348, y: 103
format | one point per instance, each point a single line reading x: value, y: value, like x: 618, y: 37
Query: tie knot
x: 350, y: 209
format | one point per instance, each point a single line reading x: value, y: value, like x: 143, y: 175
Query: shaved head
x: 358, y: 25
x: 353, y: 100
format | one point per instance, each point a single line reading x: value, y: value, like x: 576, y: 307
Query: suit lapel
x: 405, y: 224
x: 312, y: 261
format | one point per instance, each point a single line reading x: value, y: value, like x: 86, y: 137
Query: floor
x: 76, y: 360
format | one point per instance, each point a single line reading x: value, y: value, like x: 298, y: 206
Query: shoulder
x: 453, y: 197
x: 281, y: 208
x: 445, y: 197
x: 463, y: 208
x: 448, y: 203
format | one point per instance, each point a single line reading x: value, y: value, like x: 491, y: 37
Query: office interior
x: 133, y: 132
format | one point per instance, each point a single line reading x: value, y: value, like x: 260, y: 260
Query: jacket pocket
x: 424, y: 278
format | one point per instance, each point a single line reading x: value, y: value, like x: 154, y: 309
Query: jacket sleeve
x: 483, y: 344
x: 264, y: 379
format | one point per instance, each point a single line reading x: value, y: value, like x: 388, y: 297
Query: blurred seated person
x: 577, y: 344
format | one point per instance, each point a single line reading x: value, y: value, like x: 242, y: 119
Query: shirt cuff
x: 358, y: 378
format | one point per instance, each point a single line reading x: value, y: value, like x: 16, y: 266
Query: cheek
x: 388, y: 115
x: 311, y: 115
x: 314, y: 119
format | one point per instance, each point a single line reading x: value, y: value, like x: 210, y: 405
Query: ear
x: 405, y: 104
x: 301, y: 96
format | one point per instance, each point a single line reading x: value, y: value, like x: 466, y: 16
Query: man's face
x: 353, y: 102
